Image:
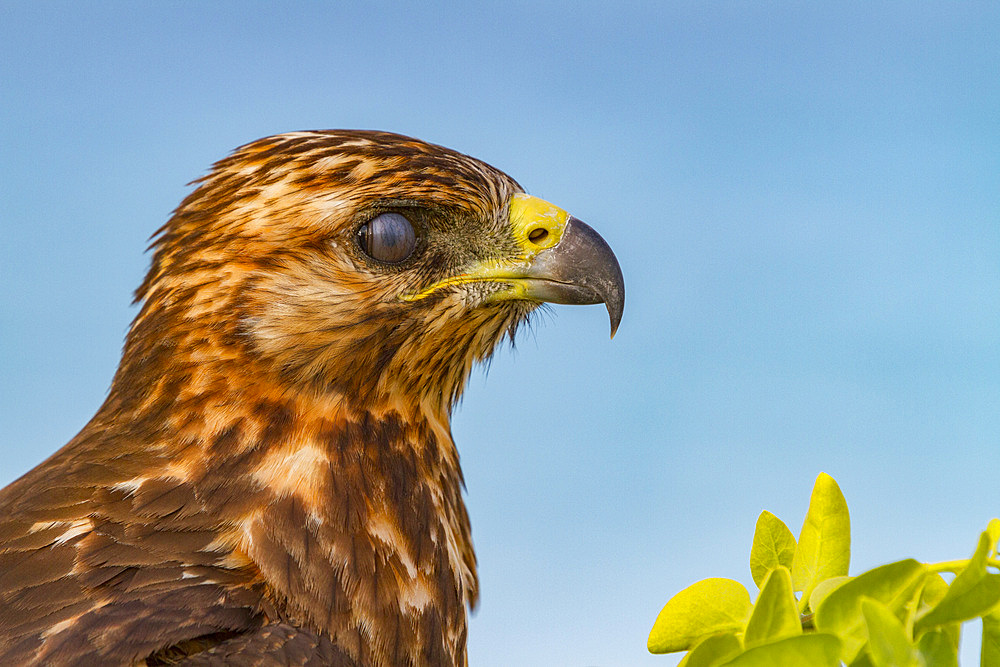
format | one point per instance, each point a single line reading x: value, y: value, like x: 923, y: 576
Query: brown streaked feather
x: 274, y: 645
x: 272, y: 478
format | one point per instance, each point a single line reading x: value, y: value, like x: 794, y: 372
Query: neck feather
x: 350, y: 515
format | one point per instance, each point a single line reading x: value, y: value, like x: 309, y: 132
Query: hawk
x: 272, y: 478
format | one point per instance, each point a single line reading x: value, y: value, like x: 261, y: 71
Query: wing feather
x: 273, y: 645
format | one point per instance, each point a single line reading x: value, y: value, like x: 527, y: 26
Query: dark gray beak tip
x: 581, y: 269
x: 602, y: 275
x: 615, y: 313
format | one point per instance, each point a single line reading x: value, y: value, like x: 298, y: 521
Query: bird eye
x: 388, y: 238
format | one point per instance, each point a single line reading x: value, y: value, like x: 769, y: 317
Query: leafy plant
x: 810, y: 612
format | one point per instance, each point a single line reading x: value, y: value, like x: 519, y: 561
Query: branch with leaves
x: 810, y: 612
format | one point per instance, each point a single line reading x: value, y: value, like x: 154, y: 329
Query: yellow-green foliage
x: 809, y: 612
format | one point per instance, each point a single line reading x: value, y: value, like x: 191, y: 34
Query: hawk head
x: 366, y: 264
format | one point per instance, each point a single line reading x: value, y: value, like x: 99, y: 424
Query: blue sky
x: 804, y: 197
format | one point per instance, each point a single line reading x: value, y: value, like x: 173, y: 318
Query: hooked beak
x: 561, y: 260
x: 580, y: 269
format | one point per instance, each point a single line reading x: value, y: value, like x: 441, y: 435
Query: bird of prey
x: 272, y: 478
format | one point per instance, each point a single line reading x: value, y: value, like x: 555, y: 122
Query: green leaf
x: 990, y: 655
x: 977, y: 564
x: 712, y: 651
x: 888, y: 642
x: 963, y: 605
x: 894, y: 585
x: 773, y: 545
x: 938, y: 650
x: 863, y: 660
x: 935, y: 588
x: 974, y: 592
x: 824, y: 588
x: 815, y: 650
x: 824, y: 548
x: 993, y: 530
x: 953, y: 631
x: 708, y: 607
x: 775, y: 616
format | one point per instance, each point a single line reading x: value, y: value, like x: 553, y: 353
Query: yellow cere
x: 536, y: 226
x: 536, y: 223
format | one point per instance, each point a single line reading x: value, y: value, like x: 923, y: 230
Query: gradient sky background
x: 804, y: 197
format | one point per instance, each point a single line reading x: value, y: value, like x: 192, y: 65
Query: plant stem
x: 956, y: 566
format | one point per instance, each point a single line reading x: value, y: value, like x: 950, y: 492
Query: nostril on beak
x: 538, y: 235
